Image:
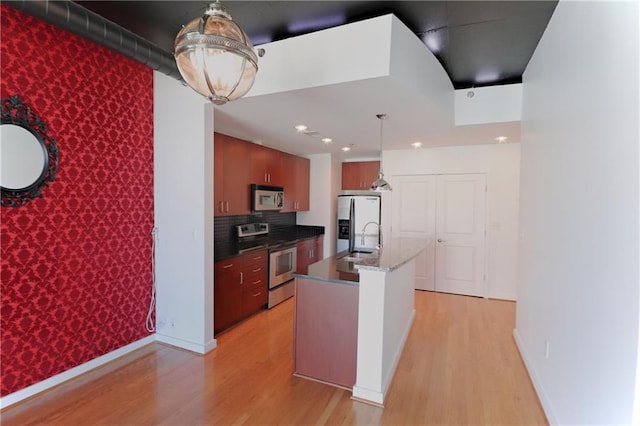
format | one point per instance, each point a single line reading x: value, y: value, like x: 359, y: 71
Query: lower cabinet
x: 325, y: 343
x: 308, y: 252
x: 240, y: 288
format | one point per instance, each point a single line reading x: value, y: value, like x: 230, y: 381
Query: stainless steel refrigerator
x: 358, y: 222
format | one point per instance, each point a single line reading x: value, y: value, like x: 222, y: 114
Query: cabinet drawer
x: 255, y: 283
x: 255, y: 258
x: 228, y: 265
x: 253, y: 271
x: 253, y: 300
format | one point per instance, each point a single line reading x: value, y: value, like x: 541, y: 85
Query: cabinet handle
x: 256, y: 282
x: 257, y: 270
x: 226, y: 208
x: 265, y: 178
x: 257, y: 258
x: 221, y: 207
x: 257, y: 294
x: 227, y: 266
x: 241, y: 278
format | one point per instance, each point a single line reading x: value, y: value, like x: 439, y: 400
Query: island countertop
x: 391, y: 256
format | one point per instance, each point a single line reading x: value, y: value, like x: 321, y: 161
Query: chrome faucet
x: 364, y: 228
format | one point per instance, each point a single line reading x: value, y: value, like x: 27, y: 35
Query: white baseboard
x: 367, y: 395
x: 542, y: 395
x: 187, y: 345
x: 36, y: 388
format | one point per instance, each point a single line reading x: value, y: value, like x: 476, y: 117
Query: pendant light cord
x: 381, y: 117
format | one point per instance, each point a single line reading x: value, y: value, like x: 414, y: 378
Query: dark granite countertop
x: 337, y: 269
x: 280, y: 235
x: 331, y: 269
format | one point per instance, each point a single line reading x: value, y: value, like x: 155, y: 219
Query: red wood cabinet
x: 359, y: 174
x: 266, y: 166
x: 231, y: 177
x: 301, y: 178
x: 240, y: 288
x: 326, y: 331
x: 296, y: 183
x: 227, y: 294
x: 308, y: 252
x: 238, y: 164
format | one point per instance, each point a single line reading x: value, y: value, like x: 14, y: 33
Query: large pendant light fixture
x: 380, y: 184
x: 215, y: 56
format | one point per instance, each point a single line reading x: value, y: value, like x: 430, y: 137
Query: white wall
x: 324, y: 181
x: 501, y: 163
x: 492, y: 104
x: 578, y: 291
x: 357, y: 51
x: 183, y: 205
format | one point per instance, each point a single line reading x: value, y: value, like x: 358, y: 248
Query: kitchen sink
x: 358, y: 255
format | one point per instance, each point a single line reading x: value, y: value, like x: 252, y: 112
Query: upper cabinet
x: 296, y: 183
x: 360, y: 174
x: 238, y: 164
x: 266, y: 166
x: 232, y: 179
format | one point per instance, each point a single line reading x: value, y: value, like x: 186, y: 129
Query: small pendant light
x: 380, y: 184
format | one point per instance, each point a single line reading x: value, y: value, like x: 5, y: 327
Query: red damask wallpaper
x: 75, y: 277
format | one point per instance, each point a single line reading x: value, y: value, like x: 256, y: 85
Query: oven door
x: 282, y: 265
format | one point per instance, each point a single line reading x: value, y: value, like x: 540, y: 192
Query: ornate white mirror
x: 28, y: 155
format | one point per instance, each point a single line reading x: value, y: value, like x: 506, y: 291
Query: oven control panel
x: 250, y: 229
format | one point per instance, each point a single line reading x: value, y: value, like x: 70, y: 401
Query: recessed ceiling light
x: 327, y: 140
x: 501, y: 139
x: 416, y: 144
x: 300, y: 128
x: 346, y: 148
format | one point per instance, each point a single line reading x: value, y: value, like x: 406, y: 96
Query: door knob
x: 440, y: 240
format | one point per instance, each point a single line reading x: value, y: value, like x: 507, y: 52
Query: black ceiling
x: 479, y: 43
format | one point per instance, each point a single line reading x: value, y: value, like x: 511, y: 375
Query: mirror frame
x: 16, y: 112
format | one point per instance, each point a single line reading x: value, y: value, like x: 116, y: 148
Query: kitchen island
x: 353, y: 315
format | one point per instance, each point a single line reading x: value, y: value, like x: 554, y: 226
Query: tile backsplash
x: 223, y: 226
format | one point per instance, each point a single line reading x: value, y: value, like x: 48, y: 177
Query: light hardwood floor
x: 460, y: 367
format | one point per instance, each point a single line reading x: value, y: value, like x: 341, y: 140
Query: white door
x: 460, y: 234
x: 413, y: 216
x: 450, y: 209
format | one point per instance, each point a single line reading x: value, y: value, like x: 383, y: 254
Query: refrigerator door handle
x: 352, y: 224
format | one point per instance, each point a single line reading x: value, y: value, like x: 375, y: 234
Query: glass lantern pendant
x: 215, y: 56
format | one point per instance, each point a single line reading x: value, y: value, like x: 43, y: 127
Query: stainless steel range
x: 282, y: 259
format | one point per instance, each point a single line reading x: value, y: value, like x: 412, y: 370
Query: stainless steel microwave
x: 266, y: 198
